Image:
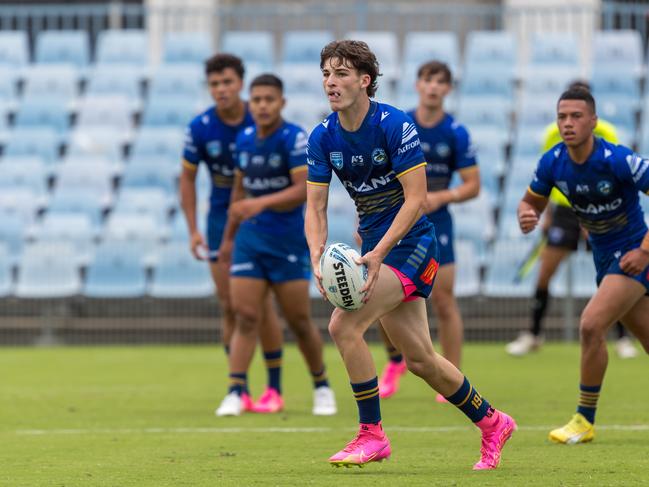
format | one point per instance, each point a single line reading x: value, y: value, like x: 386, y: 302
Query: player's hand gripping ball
x: 342, y: 277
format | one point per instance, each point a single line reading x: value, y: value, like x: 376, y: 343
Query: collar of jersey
x: 353, y: 136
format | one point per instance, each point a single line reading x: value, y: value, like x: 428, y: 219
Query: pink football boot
x: 389, y: 382
x: 269, y: 402
x: 496, y: 430
x: 370, y: 445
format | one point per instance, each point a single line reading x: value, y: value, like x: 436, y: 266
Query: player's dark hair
x: 268, y: 79
x: 579, y: 94
x: 222, y: 61
x: 355, y: 54
x: 432, y: 68
x: 579, y: 84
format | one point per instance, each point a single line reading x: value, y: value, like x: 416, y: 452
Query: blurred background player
x: 561, y: 237
x: 210, y: 138
x: 264, y: 239
x: 447, y: 148
x: 374, y: 150
x: 607, y: 206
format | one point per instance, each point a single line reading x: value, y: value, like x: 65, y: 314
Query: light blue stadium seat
x: 251, y: 46
x: 108, y: 111
x: 48, y: 270
x: 6, y: 277
x: 163, y: 143
x: 134, y: 226
x: 385, y: 46
x: 493, y: 50
x: 97, y: 142
x: 553, y: 48
x: 306, y: 111
x: 614, y: 49
x: 583, y: 276
x: 187, y: 47
x: 82, y: 200
x: 129, y: 46
x: 8, y: 89
x: 178, y: 275
x: 117, y: 271
x: 474, y: 220
x: 421, y: 47
x: 22, y: 202
x: 503, y: 262
x: 14, y: 49
x: 75, y: 229
x: 61, y: 82
x: 528, y: 142
x: 178, y: 228
x: 44, y: 112
x: 621, y: 112
x: 29, y: 174
x: 172, y: 112
x: 467, y: 269
x: 144, y: 201
x: 83, y: 175
x: 537, y: 112
x: 490, y: 141
x: 107, y: 80
x: 33, y: 142
x: 479, y: 82
x: 151, y: 175
x: 484, y: 111
x: 12, y: 233
x: 548, y: 82
x: 302, y: 80
x: 177, y: 80
x: 63, y: 47
x: 619, y: 84
x: 304, y: 46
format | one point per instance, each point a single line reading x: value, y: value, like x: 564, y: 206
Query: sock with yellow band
x: 367, y: 400
x: 470, y: 402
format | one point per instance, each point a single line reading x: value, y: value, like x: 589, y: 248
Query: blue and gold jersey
x: 447, y: 148
x: 603, y: 191
x: 210, y: 140
x: 368, y: 162
x: 266, y: 166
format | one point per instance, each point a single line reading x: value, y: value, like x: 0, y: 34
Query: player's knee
x: 591, y: 329
x: 339, y: 329
x: 444, y: 306
x: 421, y: 364
x: 247, y: 319
x: 300, y: 324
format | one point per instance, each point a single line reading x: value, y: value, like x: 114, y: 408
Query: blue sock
x: 470, y: 402
x: 394, y: 354
x: 320, y: 378
x: 238, y: 383
x: 588, y: 396
x: 367, y: 400
x: 274, y: 367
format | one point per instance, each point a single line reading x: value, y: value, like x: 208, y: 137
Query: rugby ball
x: 342, y: 277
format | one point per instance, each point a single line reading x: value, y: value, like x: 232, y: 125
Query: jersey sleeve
x: 296, y: 148
x: 464, y: 149
x: 543, y: 180
x: 318, y: 166
x: 403, y: 145
x: 632, y: 168
x: 192, y: 150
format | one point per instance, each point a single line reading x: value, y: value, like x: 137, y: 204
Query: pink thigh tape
x: 407, y: 285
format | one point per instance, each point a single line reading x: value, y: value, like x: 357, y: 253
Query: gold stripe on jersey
x: 299, y: 169
x: 317, y: 184
x: 604, y: 226
x: 411, y: 169
x: 221, y: 181
x: 366, y: 205
x: 468, y: 169
x: 189, y: 165
x: 535, y: 193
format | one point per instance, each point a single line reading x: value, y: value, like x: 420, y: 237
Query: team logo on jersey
x: 582, y: 189
x: 258, y: 160
x: 442, y: 149
x: 243, y: 160
x: 274, y: 160
x: 358, y: 161
x: 638, y: 166
x: 605, y: 187
x: 379, y: 157
x: 563, y: 187
x: 409, y: 131
x: 336, y: 159
x: 213, y: 148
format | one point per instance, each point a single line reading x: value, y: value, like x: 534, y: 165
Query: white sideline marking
x: 407, y: 429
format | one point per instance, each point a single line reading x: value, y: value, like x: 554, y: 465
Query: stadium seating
x: 61, y: 82
x: 421, y: 47
x: 44, y: 112
x: 177, y: 80
x: 150, y: 175
x: 305, y: 111
x: 385, y: 46
x: 117, y: 270
x: 12, y: 233
x: 6, y: 278
x: 97, y: 143
x: 83, y: 200
x: 42, y: 142
x: 302, y: 80
x: 107, y: 80
x: 553, y: 49
x: 493, y: 51
x: 146, y: 201
x: 129, y: 46
x: 170, y: 112
x: 615, y: 49
x: 303, y: 47
x: 186, y: 47
x: 251, y: 46
x: 74, y: 229
x: 27, y: 174
x: 162, y: 143
x: 503, y: 263
x: 467, y: 269
x: 63, y: 47
x: 178, y: 275
x: 48, y: 270
x: 14, y: 48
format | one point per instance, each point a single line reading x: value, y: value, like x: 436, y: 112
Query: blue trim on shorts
x: 609, y: 263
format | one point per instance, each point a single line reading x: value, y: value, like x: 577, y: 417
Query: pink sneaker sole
x: 504, y: 435
x: 383, y: 454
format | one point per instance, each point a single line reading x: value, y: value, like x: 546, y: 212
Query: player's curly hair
x: 356, y: 54
x: 221, y: 61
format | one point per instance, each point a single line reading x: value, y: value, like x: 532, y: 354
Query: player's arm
x: 529, y: 210
x: 284, y: 200
x: 187, y: 188
x: 315, y: 225
x: 233, y: 221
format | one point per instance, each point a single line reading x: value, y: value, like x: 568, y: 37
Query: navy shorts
x: 216, y: 219
x: 274, y: 258
x: 609, y: 263
x: 443, y: 223
x: 564, y: 232
x: 416, y: 255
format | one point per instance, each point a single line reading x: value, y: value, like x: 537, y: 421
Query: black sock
x: 621, y: 331
x: 539, y: 306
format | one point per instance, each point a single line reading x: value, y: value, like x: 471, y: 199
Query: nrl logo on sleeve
x: 213, y: 148
x: 336, y: 159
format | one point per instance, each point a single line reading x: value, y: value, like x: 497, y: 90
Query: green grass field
x: 143, y: 416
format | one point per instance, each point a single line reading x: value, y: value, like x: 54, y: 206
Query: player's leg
x: 221, y: 277
x: 637, y: 319
x: 272, y: 339
x: 293, y: 298
x: 615, y: 297
x: 450, y: 328
x: 624, y: 344
x: 393, y: 370
x: 407, y: 326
